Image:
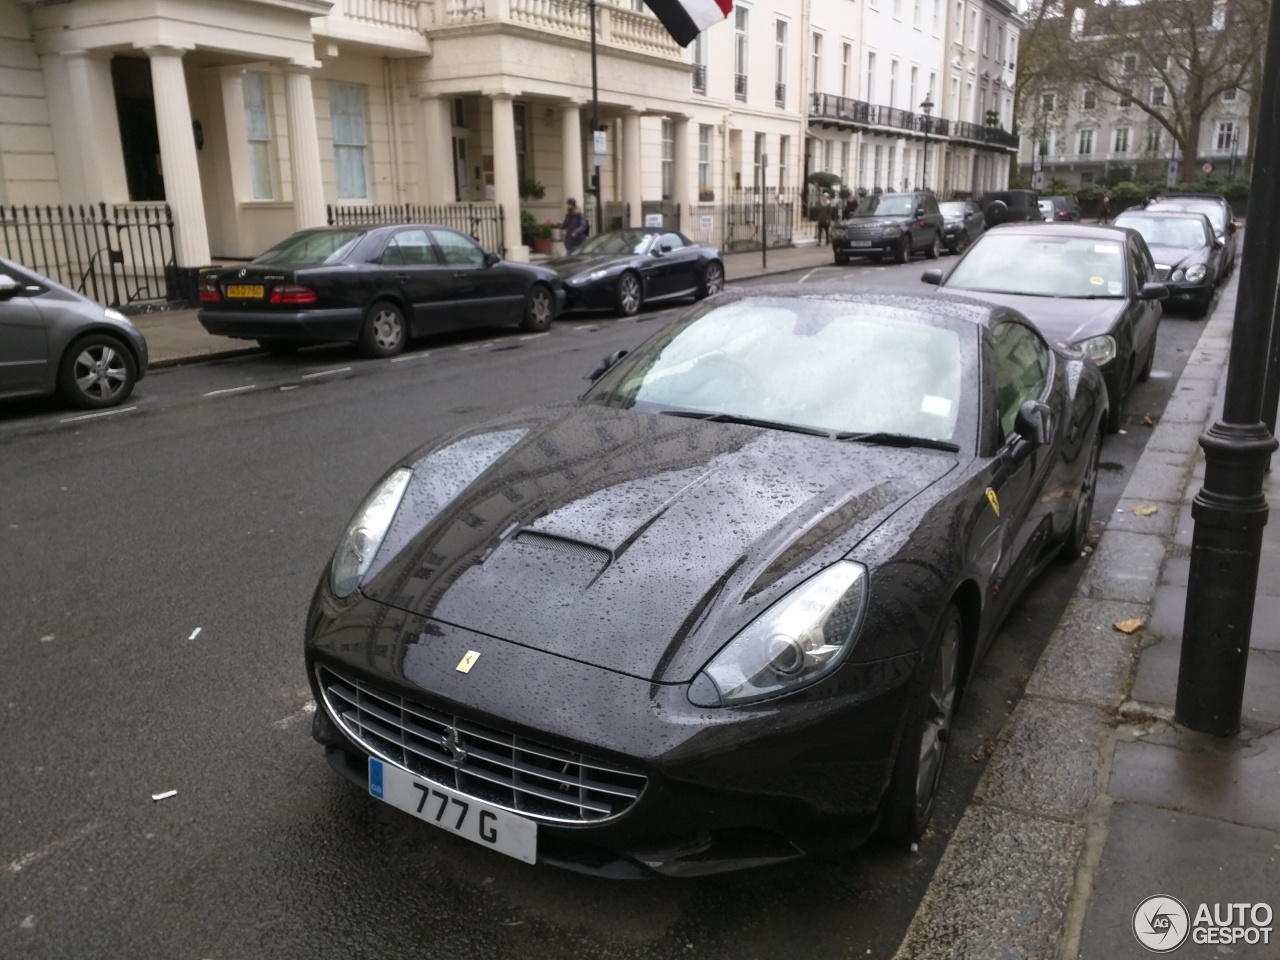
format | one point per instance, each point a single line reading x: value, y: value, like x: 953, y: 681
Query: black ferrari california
x: 719, y: 611
x: 375, y: 286
x: 622, y: 270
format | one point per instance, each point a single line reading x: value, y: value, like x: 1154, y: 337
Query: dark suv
x: 890, y: 224
x: 1010, y: 206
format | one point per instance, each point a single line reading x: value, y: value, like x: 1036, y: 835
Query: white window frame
x: 1088, y: 99
x: 704, y: 156
x: 846, y: 68
x: 741, y: 49
x: 668, y: 160
x: 1120, y: 140
x: 1161, y: 100
x: 1226, y: 128
x: 973, y: 30
x: 1086, y: 137
x: 916, y: 11
x: 1230, y: 96
x: 784, y: 148
x: 893, y: 83
x: 815, y: 61
x: 871, y: 76
x: 257, y: 87
x: 780, y: 62
x: 986, y: 36
x: 350, y: 140
x: 1048, y: 102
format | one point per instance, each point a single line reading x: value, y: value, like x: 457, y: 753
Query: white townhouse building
x: 250, y: 118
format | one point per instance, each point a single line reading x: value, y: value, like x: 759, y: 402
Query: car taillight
x: 290, y: 293
x: 1065, y: 215
x: 209, y: 295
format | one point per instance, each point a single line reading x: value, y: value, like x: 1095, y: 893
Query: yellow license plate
x: 244, y: 291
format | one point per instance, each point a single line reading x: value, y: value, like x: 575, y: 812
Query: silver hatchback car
x: 54, y: 340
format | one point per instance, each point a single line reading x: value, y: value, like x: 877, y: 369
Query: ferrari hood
x: 621, y: 539
x: 1060, y: 319
x: 575, y: 264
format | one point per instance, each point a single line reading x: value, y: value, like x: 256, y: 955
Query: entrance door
x: 136, y: 111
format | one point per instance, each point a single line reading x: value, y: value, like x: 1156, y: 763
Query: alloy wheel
x: 629, y: 295
x: 713, y: 281
x: 939, y: 710
x: 100, y: 372
x: 388, y: 329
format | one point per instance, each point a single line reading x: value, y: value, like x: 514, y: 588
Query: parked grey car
x: 53, y: 340
x: 964, y: 224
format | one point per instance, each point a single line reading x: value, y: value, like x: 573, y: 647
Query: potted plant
x: 542, y: 236
x: 532, y: 190
x: 528, y: 227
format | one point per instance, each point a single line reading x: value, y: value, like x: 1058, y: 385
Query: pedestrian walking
x: 824, y: 218
x: 574, y: 226
x: 1104, y: 212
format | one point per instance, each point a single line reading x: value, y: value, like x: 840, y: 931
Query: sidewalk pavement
x: 1094, y: 800
x: 175, y: 336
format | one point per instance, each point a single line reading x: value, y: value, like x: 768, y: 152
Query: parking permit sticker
x: 938, y: 406
x: 993, y: 500
x: 1114, y: 287
x: 1097, y: 281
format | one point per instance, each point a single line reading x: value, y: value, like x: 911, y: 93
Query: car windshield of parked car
x: 888, y: 205
x: 952, y: 208
x: 819, y: 364
x: 328, y: 246
x: 617, y: 242
x: 1166, y: 231
x: 1215, y: 212
x: 1042, y: 266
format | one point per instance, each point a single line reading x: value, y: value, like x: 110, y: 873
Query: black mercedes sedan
x: 962, y: 224
x: 890, y: 224
x: 375, y: 286
x: 1089, y: 286
x: 1214, y: 206
x: 1188, y: 256
x: 719, y: 611
x: 622, y: 270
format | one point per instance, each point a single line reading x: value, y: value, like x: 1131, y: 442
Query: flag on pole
x: 685, y: 19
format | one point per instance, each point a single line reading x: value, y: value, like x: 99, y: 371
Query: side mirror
x: 1233, y: 226
x: 933, y: 275
x: 1218, y: 244
x: 920, y: 211
x: 1154, y: 291
x: 1033, y: 428
x: 9, y: 287
x: 606, y: 364
x: 665, y: 248
x: 492, y: 259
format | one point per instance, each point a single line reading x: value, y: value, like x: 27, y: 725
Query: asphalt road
x: 157, y: 567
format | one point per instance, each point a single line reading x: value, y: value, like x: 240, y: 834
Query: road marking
x: 195, y: 633
x: 808, y: 275
x: 17, y: 866
x: 477, y: 346
x: 94, y: 416
x: 535, y: 336
x: 411, y: 356
x: 218, y: 393
x: 307, y: 710
x: 584, y: 329
x: 325, y: 373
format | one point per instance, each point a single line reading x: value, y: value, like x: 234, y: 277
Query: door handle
x: 460, y: 274
x: 402, y: 276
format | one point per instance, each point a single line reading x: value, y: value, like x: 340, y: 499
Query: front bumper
x: 597, y: 295
x: 1183, y: 293
x: 866, y: 246
x: 725, y: 789
x: 342, y: 323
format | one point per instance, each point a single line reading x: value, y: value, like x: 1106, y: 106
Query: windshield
x: 1046, y: 207
x: 826, y: 365
x: 617, y: 241
x: 952, y: 208
x: 1043, y: 265
x: 1169, y: 232
x: 323, y: 246
x: 1216, y: 214
x: 886, y: 205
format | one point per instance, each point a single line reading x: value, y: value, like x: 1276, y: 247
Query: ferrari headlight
x: 1101, y: 349
x: 891, y: 232
x: 359, y: 545
x: 798, y: 640
x: 1196, y: 272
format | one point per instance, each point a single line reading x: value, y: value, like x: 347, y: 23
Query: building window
x: 1125, y: 101
x: 1046, y: 144
x: 1089, y: 100
x: 915, y: 77
x: 740, y: 52
x: 973, y: 30
x: 1086, y: 141
x: 784, y: 148
x: 897, y: 9
x: 1229, y: 96
x: 871, y: 78
x: 257, y: 118
x: 846, y: 68
x: 780, y: 64
x: 815, y: 62
x: 844, y: 161
x: 915, y: 14
x: 955, y: 96
x: 1086, y: 179
x: 1226, y: 133
x: 957, y: 27
x: 524, y: 170
x: 459, y: 112
x: 1129, y: 64
x: 668, y: 159
x: 1154, y: 139
x: 350, y: 140
x: 1158, y: 95
x: 759, y: 155
x: 1013, y: 50
x: 1000, y: 44
x: 704, y: 157
x: 986, y: 37
x: 1047, y: 102
x: 700, y: 63
x: 933, y: 86
x: 828, y: 154
x: 1120, y: 143
x: 893, y: 83
x: 461, y: 190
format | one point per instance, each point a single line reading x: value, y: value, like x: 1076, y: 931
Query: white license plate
x: 859, y: 243
x: 467, y: 817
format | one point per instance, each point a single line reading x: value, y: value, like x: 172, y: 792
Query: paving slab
x: 1174, y: 437
x: 1169, y: 608
x: 1087, y: 659
x: 1135, y: 516
x: 1125, y: 566
x: 1157, y: 681
x: 1186, y: 410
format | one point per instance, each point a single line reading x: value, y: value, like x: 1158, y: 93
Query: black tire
x: 539, y: 309
x: 97, y: 371
x: 962, y: 243
x: 1115, y: 416
x: 384, y: 333
x: 841, y: 259
x: 903, y: 251
x: 934, y: 247
x: 1074, y: 545
x: 922, y: 751
x: 995, y: 213
x: 278, y: 346
x: 629, y: 296
x: 712, y: 280
x: 1201, y: 310
x: 1145, y: 373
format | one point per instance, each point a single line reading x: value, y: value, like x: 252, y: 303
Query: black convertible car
x: 624, y: 269
x: 718, y: 612
x: 374, y: 286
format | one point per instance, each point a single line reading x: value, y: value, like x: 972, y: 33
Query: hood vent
x: 573, y: 548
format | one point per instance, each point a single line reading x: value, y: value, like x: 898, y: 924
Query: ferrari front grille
x: 527, y: 777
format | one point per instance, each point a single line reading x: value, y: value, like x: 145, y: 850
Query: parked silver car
x: 54, y: 340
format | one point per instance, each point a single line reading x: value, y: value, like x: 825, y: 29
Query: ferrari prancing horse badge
x: 991, y: 499
x: 468, y: 661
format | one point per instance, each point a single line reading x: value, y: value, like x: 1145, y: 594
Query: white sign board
x: 1173, y: 173
x: 706, y: 223
x: 1037, y: 180
x: 600, y: 147
x: 653, y: 220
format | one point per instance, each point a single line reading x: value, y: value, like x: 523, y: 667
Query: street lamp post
x: 927, y: 107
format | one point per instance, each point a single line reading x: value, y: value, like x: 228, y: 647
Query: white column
x: 571, y: 152
x: 681, y: 191
x: 435, y: 170
x: 97, y: 171
x: 178, y: 157
x: 631, y: 183
x: 232, y: 80
x: 506, y: 181
x: 304, y: 150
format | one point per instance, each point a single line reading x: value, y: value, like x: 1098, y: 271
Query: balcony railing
x: 699, y: 78
x: 780, y: 94
x: 858, y: 113
x: 740, y: 86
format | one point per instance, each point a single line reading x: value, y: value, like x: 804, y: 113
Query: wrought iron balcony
x: 780, y: 94
x: 699, y: 78
x: 740, y: 86
x: 844, y: 111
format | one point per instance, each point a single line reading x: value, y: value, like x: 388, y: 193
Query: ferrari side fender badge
x: 993, y: 500
x: 468, y: 661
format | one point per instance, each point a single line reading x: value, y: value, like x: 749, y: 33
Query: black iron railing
x: 117, y: 256
x: 617, y: 214
x: 668, y: 209
x: 699, y: 78
x: 482, y: 221
x: 740, y: 86
x: 780, y: 94
x: 844, y: 111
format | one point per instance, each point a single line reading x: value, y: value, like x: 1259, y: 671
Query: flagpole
x: 595, y: 121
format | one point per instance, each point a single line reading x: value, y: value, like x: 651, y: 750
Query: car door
x: 973, y: 219
x: 24, y: 338
x: 1145, y: 313
x: 410, y: 265
x: 675, y: 271
x: 485, y: 294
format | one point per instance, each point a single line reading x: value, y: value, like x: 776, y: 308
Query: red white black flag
x: 685, y: 19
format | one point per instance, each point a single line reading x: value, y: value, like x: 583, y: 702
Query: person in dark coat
x: 824, y: 218
x: 575, y: 226
x: 1105, y: 210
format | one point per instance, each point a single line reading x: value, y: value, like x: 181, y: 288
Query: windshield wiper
x: 899, y: 440
x: 747, y: 421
